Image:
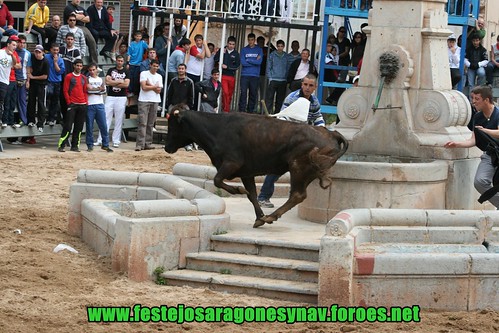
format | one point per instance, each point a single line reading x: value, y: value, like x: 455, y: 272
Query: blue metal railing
x: 460, y: 13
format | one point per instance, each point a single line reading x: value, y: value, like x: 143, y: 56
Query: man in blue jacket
x: 251, y: 60
x: 56, y: 72
x: 277, y: 71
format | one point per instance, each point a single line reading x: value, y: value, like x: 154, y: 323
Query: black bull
x: 245, y: 146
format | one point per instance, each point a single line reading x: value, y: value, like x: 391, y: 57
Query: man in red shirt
x: 11, y: 96
x: 75, y: 93
x: 6, y: 21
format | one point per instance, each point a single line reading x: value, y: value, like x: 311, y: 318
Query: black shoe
x: 75, y: 149
x: 60, y: 149
x: 109, y: 150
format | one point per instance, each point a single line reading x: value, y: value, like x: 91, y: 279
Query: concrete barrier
x: 438, y: 259
x: 143, y: 220
x: 202, y: 176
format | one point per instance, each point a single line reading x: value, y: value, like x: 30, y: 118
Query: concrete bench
x: 25, y: 131
x: 30, y: 38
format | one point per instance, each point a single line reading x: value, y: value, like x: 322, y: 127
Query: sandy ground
x: 46, y: 292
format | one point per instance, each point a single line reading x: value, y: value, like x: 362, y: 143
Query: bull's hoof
x: 258, y: 223
x: 268, y: 219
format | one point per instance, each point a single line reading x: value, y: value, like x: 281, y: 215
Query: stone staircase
x: 269, y: 268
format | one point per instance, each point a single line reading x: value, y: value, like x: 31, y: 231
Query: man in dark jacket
x: 231, y: 62
x: 100, y: 26
x: 476, y: 60
x: 210, y: 91
x: 299, y: 69
x: 181, y: 89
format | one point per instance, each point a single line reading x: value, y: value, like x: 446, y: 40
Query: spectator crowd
x: 51, y: 85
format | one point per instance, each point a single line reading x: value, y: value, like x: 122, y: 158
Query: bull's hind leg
x: 249, y: 184
x: 225, y: 171
x: 299, y: 183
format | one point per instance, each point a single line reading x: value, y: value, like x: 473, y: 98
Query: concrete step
x: 252, y: 265
x: 266, y: 247
x: 293, y: 291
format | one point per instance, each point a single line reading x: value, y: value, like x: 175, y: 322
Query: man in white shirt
x: 454, y: 53
x: 7, y: 62
x: 151, y: 84
x: 96, y: 110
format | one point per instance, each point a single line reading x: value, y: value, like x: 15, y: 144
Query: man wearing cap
x: 56, y: 72
x: 36, y: 19
x: 454, y: 53
x: 6, y: 21
x: 38, y: 72
x: 8, y: 61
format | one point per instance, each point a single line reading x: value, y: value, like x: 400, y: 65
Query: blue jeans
x: 22, y: 94
x: 53, y: 97
x: 8, y: 32
x: 268, y: 187
x: 10, y: 104
x: 251, y: 83
x: 97, y: 112
x: 472, y: 76
x: 489, y: 71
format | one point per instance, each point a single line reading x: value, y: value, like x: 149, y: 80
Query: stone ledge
x: 143, y: 220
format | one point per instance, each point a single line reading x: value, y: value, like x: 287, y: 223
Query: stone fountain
x: 398, y: 119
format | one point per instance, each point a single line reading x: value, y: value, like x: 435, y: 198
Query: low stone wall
x: 202, y: 176
x: 143, y: 220
x: 438, y: 259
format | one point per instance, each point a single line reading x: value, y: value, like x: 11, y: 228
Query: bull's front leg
x: 249, y: 184
x: 226, y: 170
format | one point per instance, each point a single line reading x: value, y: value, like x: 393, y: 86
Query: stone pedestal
x: 396, y: 157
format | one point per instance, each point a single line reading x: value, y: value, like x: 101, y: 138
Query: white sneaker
x: 3, y: 125
x: 51, y: 123
x: 116, y: 145
x: 188, y: 148
x: 16, y: 125
x: 265, y: 203
x: 31, y: 125
x: 16, y: 143
x: 40, y: 129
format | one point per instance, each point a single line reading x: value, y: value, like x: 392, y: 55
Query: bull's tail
x: 325, y: 158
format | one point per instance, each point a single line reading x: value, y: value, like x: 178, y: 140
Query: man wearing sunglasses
x: 79, y: 36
